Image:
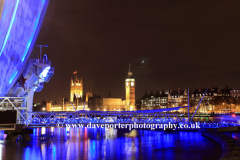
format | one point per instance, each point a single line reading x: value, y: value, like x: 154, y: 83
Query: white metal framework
x: 15, y: 103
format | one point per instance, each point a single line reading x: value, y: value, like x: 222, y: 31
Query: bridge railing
x: 75, y: 118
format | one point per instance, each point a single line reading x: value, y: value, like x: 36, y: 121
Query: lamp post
x: 223, y: 106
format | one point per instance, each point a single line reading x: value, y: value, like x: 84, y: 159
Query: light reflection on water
x: 92, y: 143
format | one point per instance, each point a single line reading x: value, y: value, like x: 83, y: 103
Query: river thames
x: 93, y: 143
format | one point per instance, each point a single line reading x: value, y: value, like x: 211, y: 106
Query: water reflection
x: 100, y: 143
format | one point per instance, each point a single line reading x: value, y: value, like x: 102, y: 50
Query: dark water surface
x: 88, y: 143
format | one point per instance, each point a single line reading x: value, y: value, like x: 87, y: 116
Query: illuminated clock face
x: 127, y: 83
x: 132, y: 84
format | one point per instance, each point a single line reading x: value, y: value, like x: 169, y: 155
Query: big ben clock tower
x: 130, y: 91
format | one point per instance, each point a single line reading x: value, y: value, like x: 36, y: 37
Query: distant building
x: 177, y: 97
x: 235, y: 92
x: 113, y: 104
x: 46, y: 105
x: 154, y: 101
x: 65, y: 105
x: 88, y: 94
x: 215, y: 100
x: 95, y: 102
x: 76, y: 87
x: 88, y: 101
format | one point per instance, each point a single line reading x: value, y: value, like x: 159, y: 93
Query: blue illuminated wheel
x: 20, y: 22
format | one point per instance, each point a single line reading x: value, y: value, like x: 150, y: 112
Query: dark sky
x: 183, y: 43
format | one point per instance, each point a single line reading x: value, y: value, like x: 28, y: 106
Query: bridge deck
x: 56, y: 118
x: 153, y: 111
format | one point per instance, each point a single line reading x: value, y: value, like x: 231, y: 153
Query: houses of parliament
x: 89, y: 101
x: 216, y: 100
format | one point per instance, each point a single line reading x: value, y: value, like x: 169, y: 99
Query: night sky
x: 182, y: 43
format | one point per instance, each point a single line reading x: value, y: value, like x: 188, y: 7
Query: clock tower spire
x: 130, y: 90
